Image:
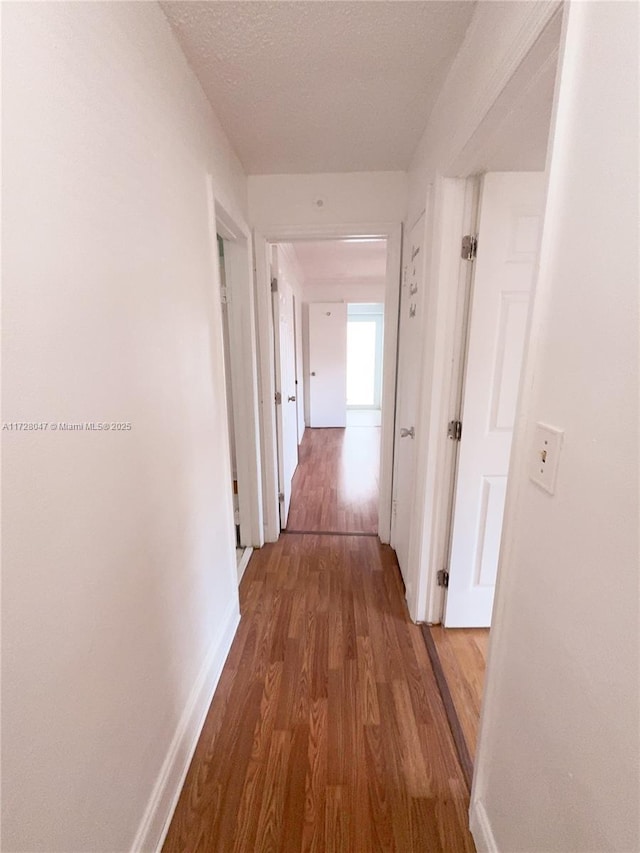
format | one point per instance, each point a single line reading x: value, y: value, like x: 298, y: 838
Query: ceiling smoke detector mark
x: 318, y: 202
x: 545, y: 456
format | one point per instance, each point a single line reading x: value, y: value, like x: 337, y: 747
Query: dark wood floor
x: 336, y: 485
x: 463, y: 656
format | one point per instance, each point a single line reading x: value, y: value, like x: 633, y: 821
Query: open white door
x: 286, y: 411
x: 411, y: 300
x: 511, y: 207
x: 328, y: 364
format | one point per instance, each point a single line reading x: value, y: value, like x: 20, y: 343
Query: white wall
x: 361, y: 290
x: 347, y: 198
x: 559, y: 760
x: 119, y: 580
x: 351, y: 290
x: 496, y: 43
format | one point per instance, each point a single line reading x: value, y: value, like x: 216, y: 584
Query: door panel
x: 511, y: 208
x: 327, y: 364
x: 286, y: 411
x: 297, y: 325
x: 411, y: 300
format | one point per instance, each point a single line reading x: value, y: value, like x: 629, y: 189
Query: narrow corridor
x: 327, y: 731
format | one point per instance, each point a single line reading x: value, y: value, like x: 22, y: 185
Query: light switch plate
x: 545, y: 456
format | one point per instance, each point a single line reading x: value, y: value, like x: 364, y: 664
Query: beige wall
x: 119, y: 580
x: 559, y: 761
x: 347, y: 198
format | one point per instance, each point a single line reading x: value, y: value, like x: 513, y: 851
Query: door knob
x: 410, y: 433
x: 291, y: 399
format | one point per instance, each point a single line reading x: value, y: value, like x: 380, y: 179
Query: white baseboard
x: 244, y: 562
x: 164, y: 798
x: 480, y: 827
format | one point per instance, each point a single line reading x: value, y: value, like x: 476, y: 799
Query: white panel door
x: 511, y: 208
x: 411, y: 300
x: 286, y: 411
x: 327, y: 364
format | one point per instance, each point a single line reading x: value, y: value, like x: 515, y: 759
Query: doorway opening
x: 243, y: 552
x: 328, y: 306
x: 493, y: 334
x: 495, y: 285
x: 365, y: 329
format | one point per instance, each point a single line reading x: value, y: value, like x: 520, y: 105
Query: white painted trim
x: 389, y: 379
x: 392, y: 233
x: 292, y: 259
x: 480, y: 827
x: 448, y: 216
x: 164, y: 797
x: 244, y: 562
x: 243, y: 364
x: 266, y: 368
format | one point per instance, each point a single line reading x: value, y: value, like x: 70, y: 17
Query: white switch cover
x: 545, y: 455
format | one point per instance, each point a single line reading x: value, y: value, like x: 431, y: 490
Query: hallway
x: 335, y: 487
x: 327, y: 731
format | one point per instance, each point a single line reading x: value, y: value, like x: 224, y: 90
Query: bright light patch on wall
x: 361, y: 361
x: 364, y: 355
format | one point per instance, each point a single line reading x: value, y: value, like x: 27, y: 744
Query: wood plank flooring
x: 336, y: 485
x: 327, y: 732
x: 463, y: 657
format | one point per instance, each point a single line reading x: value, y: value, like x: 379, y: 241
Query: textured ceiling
x: 325, y: 86
x: 326, y: 260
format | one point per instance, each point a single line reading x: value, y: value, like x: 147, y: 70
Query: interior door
x: 511, y: 206
x: 411, y: 300
x: 286, y: 405
x: 327, y: 364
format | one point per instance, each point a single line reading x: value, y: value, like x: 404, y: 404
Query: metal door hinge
x: 454, y: 430
x: 469, y: 247
x: 278, y: 397
x: 274, y: 285
x: 280, y: 496
x: 224, y: 296
x: 443, y: 578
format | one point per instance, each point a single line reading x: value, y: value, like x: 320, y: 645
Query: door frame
x: 451, y: 216
x: 392, y: 233
x: 237, y: 239
x: 278, y: 369
x: 534, y: 52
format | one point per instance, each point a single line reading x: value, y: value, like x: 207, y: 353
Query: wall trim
x: 480, y: 827
x: 155, y: 822
x: 244, y: 562
x: 241, y: 310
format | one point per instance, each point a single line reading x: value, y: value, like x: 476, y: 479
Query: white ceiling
x: 330, y: 260
x: 326, y: 86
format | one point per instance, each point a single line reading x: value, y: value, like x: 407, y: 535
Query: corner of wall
x: 480, y: 827
x: 166, y: 792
